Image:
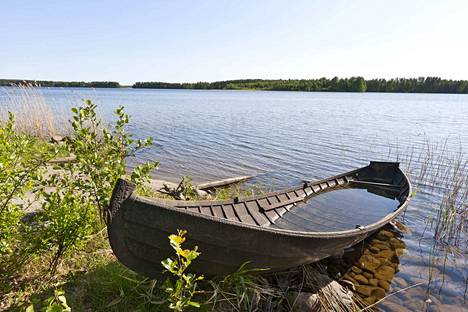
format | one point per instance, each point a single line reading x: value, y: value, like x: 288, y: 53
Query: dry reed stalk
x: 33, y: 114
x: 330, y: 298
x: 433, y: 167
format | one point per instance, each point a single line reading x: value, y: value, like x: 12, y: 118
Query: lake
x: 282, y: 138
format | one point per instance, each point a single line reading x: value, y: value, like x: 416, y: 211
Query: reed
x: 442, y: 172
x: 33, y: 113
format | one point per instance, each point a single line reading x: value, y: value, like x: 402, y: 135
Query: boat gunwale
x: 163, y: 204
x: 195, y: 203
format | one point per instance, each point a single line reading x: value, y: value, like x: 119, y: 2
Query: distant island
x: 353, y: 84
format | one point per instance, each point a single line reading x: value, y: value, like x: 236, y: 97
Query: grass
x: 92, y: 278
x: 33, y: 114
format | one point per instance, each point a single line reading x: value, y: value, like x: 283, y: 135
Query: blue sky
x: 171, y: 40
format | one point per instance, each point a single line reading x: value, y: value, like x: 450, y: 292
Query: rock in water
x: 361, y: 279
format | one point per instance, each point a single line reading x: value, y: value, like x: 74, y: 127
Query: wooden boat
x: 277, y: 230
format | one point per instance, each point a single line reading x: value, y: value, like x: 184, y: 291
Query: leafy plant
x: 69, y: 211
x: 65, y: 222
x: 21, y: 164
x: 101, y: 152
x: 181, y: 292
x: 55, y: 303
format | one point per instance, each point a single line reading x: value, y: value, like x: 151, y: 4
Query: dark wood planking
x: 220, y: 239
x: 254, y: 210
x: 291, y: 194
x: 206, y: 210
x: 272, y: 200
x: 218, y: 211
x: 300, y: 192
x: 282, y: 197
x: 279, y: 204
x: 309, y: 191
x: 281, y: 211
x: 230, y: 214
x: 244, y: 214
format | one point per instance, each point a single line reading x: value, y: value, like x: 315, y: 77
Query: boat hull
x: 139, y: 228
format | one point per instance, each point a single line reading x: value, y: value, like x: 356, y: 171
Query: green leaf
x: 30, y: 308
x: 194, y: 304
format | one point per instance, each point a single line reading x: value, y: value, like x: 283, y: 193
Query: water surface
x: 339, y: 209
x: 285, y: 137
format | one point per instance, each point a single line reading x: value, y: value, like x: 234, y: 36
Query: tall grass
x: 33, y: 114
x: 442, y: 172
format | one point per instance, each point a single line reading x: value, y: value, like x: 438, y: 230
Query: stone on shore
x: 56, y: 139
x: 304, y: 301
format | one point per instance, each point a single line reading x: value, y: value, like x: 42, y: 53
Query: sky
x: 189, y: 41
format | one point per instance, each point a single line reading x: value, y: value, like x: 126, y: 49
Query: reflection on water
x: 374, y: 270
x: 341, y: 208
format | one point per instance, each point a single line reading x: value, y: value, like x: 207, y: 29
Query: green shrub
x: 83, y: 188
x: 22, y: 162
x: 55, y: 303
x: 101, y: 152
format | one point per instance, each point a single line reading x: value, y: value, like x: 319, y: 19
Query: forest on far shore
x: 60, y: 84
x: 353, y: 84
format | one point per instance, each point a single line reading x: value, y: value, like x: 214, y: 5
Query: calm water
x: 285, y: 137
x: 343, y: 208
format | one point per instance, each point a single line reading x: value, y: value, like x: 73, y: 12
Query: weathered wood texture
x: 269, y: 230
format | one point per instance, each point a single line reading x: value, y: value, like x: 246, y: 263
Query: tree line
x: 353, y: 84
x: 61, y: 84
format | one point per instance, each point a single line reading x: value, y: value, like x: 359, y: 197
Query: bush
x: 21, y: 166
x: 83, y: 188
x: 73, y: 196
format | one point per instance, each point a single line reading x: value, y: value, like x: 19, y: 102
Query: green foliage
x: 353, y: 84
x: 72, y: 195
x: 66, y: 221
x: 60, y: 84
x: 241, y: 288
x: 181, y: 292
x: 69, y: 212
x: 55, y: 303
x: 189, y: 191
x: 236, y: 190
x: 101, y: 152
x: 19, y: 171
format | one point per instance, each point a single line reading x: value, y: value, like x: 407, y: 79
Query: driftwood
x: 223, y: 182
x: 62, y: 160
x: 185, y: 190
